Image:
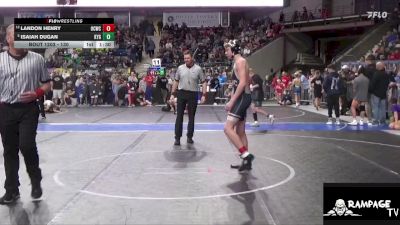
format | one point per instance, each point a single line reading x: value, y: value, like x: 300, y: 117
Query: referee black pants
x: 188, y: 98
x: 18, y: 125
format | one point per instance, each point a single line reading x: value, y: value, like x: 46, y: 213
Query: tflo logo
x: 376, y: 14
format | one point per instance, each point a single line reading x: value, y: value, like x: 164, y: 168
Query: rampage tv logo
x: 376, y: 14
x: 352, y: 207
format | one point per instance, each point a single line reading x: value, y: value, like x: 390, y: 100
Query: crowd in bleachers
x: 101, y: 76
x: 132, y: 42
x: 207, y: 42
x: 388, y: 48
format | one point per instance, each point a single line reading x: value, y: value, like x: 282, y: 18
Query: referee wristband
x: 39, y: 93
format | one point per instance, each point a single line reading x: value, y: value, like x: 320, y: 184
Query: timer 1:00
x: 105, y: 44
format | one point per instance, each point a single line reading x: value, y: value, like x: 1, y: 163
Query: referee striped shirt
x: 19, y: 75
x: 189, y: 78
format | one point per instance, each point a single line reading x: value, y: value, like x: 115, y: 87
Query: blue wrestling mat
x: 131, y: 127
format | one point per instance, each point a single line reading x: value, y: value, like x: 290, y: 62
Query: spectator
x: 378, y: 88
x: 150, y: 47
x: 279, y: 88
x: 360, y: 99
x: 394, y: 55
x: 324, y: 13
x: 281, y: 17
x: 142, y: 85
x: 214, y: 88
x: 395, y: 107
x: 108, y: 90
x: 296, y: 87
x: 116, y: 85
x: 94, y: 90
x: 310, y: 16
x: 139, y: 98
x: 316, y: 84
x: 286, y: 79
x: 286, y: 98
x: 159, y: 26
x: 80, y: 90
x: 57, y: 88
x: 222, y: 79
x: 70, y: 94
x: 149, y: 79
x: 101, y: 88
x: 333, y: 87
x: 131, y: 92
x: 133, y: 80
x: 295, y: 16
x: 305, y: 87
x: 347, y: 95
x: 304, y: 16
x: 162, y: 82
x: 122, y: 93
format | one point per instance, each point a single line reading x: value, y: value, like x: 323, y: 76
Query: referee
x: 23, y: 79
x: 187, y: 78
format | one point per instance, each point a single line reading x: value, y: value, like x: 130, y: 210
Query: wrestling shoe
x: 9, y: 197
x: 36, y: 192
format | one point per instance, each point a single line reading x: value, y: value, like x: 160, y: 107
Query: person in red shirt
x: 395, y: 55
x: 149, y: 79
x: 279, y: 87
x: 286, y: 79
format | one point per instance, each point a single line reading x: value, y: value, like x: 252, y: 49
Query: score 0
x: 108, y: 27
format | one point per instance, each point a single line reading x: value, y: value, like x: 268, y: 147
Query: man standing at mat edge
x: 24, y: 79
x: 238, y: 104
x: 187, y: 79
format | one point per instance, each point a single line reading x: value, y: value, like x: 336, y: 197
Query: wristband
x: 39, y: 93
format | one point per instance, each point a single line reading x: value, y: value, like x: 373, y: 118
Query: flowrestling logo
x: 377, y: 14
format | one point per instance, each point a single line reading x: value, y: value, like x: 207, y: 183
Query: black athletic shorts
x: 240, y: 107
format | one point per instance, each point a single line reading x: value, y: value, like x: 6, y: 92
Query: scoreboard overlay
x: 64, y: 33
